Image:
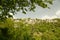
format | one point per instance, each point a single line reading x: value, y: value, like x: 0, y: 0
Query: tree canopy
x: 11, y: 6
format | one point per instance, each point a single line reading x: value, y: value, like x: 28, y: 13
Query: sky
x: 42, y: 13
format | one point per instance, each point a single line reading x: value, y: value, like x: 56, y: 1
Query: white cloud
x: 49, y: 17
x: 58, y: 13
x: 45, y: 17
x: 54, y: 16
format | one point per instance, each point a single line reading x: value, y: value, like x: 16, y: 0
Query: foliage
x: 23, y: 30
x: 11, y: 6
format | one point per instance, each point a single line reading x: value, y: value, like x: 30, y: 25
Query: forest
x: 30, y: 29
x: 27, y: 28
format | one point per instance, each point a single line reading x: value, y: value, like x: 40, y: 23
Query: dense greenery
x: 12, y: 6
x: 27, y: 29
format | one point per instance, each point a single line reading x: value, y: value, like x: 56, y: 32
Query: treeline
x: 30, y: 29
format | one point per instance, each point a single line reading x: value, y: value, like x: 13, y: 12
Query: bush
x: 25, y: 31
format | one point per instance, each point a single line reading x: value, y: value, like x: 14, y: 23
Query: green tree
x: 11, y: 6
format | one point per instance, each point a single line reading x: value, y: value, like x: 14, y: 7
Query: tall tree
x: 11, y: 6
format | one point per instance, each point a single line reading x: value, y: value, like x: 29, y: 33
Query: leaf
x: 24, y: 12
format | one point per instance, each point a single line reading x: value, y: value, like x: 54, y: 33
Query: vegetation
x: 30, y: 29
x: 12, y: 6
